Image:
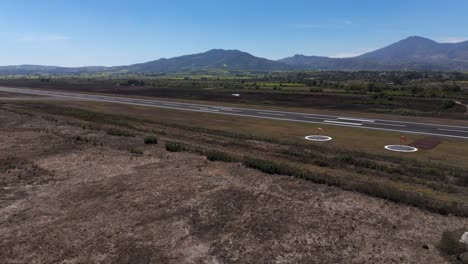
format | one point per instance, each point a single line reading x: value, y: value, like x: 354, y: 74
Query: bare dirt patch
x: 93, y: 201
x: 427, y: 143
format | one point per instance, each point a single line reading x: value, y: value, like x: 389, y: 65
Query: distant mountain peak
x: 220, y: 50
x: 225, y: 51
x: 417, y: 38
x: 414, y: 47
x: 211, y: 59
x: 412, y: 53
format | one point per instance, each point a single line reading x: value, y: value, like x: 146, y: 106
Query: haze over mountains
x: 410, y: 54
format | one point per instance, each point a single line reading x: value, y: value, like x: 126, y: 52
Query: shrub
x: 214, y: 155
x: 80, y: 139
x: 449, y: 242
x: 136, y: 151
x: 149, y: 140
x: 345, y: 159
x: 269, y: 167
x: 462, y: 180
x: 177, y: 146
x: 447, y: 104
x: 8, y: 164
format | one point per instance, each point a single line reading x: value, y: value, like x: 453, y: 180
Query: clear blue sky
x: 114, y: 32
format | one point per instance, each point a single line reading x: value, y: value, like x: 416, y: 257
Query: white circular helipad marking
x: 401, y: 148
x: 318, y: 138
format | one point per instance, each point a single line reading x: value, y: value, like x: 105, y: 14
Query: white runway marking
x: 453, y: 130
x: 343, y: 123
x: 223, y: 108
x: 395, y: 125
x: 209, y: 110
x: 265, y: 113
x: 312, y: 117
x: 356, y: 119
x: 244, y: 112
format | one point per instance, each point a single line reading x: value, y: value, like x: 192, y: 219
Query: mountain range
x: 410, y: 54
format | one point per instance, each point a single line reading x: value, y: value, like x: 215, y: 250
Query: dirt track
x: 69, y: 200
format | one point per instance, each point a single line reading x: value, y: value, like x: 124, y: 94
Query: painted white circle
x: 318, y: 138
x: 401, y: 148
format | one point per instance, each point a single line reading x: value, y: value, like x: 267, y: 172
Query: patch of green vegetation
x: 80, y: 139
x: 96, y: 117
x: 174, y: 146
x: 215, y: 155
x: 406, y: 112
x: 433, y: 175
x: 449, y: 243
x: 8, y: 164
x: 136, y: 151
x: 150, y: 140
x: 269, y: 167
x: 448, y: 104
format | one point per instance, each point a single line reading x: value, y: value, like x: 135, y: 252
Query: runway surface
x: 344, y: 121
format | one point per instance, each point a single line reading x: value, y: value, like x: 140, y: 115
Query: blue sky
x: 105, y: 32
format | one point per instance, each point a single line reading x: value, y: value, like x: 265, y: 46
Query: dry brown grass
x: 450, y: 151
x: 438, y: 184
x: 67, y: 200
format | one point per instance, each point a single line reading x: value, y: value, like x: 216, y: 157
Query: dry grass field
x: 76, y: 201
x: 451, y: 151
x: 80, y: 186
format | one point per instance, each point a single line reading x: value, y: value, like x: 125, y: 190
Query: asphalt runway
x: 344, y: 121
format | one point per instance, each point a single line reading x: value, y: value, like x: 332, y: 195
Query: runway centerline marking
x: 356, y: 119
x: 311, y: 117
x: 343, y: 123
x: 208, y: 110
x: 266, y: 113
x: 395, y: 125
x: 453, y: 130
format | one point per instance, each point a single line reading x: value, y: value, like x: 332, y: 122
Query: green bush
x: 269, y: 167
x: 80, y: 139
x: 449, y: 242
x: 345, y: 158
x: 214, y: 155
x: 136, y: 151
x: 177, y: 146
x: 149, y: 140
x: 447, y: 104
x: 8, y: 164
